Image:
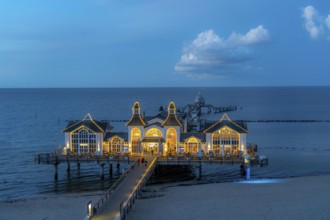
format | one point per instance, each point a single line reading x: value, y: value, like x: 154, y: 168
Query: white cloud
x: 315, y: 23
x: 254, y: 36
x: 327, y: 22
x: 210, y: 54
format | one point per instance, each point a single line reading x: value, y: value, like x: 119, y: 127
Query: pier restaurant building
x: 163, y: 134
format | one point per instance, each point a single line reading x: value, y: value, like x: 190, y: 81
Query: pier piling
x: 56, y: 172
x: 69, y: 168
x: 110, y: 169
x: 102, y: 171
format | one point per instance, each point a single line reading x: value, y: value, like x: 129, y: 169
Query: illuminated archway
x: 192, y: 145
x: 136, y: 137
x: 115, y: 145
x: 171, y: 140
x: 154, y: 132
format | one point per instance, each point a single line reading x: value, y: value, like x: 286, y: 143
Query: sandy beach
x: 53, y: 207
x: 294, y: 198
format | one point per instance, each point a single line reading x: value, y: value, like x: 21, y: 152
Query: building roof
x: 136, y: 106
x: 171, y: 119
x: 136, y: 120
x: 200, y: 136
x: 88, y: 122
x: 161, y: 115
x: 154, y: 124
x: 239, y: 127
x: 122, y: 135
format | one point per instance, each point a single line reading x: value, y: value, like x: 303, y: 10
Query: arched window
x: 136, y: 137
x: 171, y: 140
x: 154, y: 132
x: 115, y: 145
x: 192, y: 146
x: 84, y: 140
x: 226, y: 138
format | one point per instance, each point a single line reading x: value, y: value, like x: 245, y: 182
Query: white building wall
x: 209, y: 142
x: 243, y: 142
x: 99, y: 142
x: 67, y: 141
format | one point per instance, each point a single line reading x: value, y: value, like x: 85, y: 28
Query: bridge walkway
x: 111, y: 210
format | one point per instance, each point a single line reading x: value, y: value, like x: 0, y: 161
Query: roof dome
x: 199, y: 99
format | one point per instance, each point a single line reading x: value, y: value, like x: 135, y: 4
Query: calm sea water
x: 31, y: 121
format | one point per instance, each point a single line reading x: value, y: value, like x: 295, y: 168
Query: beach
x: 293, y: 198
x: 49, y: 207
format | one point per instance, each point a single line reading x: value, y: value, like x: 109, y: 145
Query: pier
x: 119, y: 199
x: 56, y: 159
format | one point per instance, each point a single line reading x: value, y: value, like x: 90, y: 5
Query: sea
x: 290, y: 125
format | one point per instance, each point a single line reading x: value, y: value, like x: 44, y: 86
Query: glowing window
x: 154, y: 132
x: 171, y: 140
x: 115, y: 145
x: 136, y: 136
x: 192, y: 146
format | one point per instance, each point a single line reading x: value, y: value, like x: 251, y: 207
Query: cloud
x: 316, y: 25
x: 327, y: 22
x: 210, y: 54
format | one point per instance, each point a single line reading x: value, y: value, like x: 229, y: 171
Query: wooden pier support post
x: 69, y: 168
x: 56, y: 171
x: 198, y: 173
x: 102, y: 171
x: 110, y: 169
x: 78, y: 166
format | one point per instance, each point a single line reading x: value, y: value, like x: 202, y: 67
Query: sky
x: 157, y: 43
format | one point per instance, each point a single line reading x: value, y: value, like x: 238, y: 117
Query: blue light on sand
x: 262, y: 181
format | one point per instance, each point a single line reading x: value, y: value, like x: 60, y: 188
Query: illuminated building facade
x: 164, y: 134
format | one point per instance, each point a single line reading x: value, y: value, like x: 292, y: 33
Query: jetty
x: 176, y: 137
x: 119, y: 199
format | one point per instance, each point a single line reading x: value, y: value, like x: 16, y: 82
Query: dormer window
x: 136, y: 111
x: 171, y: 111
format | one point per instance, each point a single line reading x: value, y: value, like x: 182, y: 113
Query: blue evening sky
x: 151, y: 43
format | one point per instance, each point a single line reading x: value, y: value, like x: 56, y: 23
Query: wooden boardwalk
x: 111, y: 210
